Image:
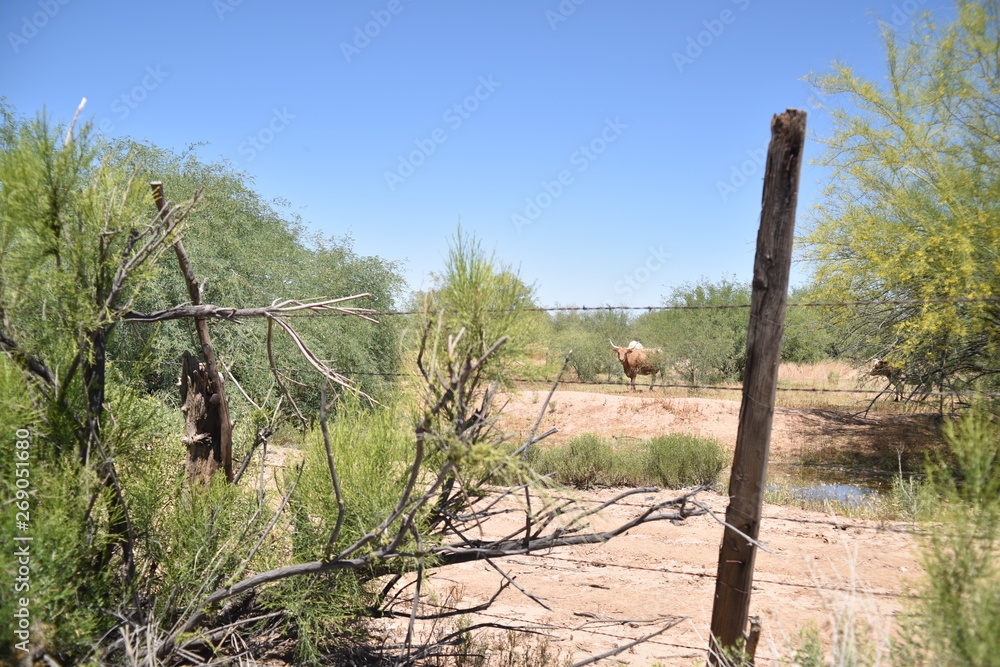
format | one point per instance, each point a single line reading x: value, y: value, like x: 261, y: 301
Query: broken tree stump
x: 200, y: 403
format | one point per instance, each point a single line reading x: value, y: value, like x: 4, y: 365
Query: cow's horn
x: 613, y: 344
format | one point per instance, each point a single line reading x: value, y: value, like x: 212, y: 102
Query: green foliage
x: 583, y: 462
x: 253, y: 252
x: 589, y: 334
x: 956, y: 618
x: 910, y: 210
x: 702, y: 346
x: 670, y: 461
x: 679, y: 459
x: 64, y: 591
x: 370, y: 450
x: 477, y: 301
x: 808, y: 336
x: 77, y: 251
x: 809, y: 652
x: 909, y: 499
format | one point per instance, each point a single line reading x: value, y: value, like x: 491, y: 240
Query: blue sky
x: 609, y: 150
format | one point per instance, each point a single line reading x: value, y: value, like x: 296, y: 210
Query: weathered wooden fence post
x: 208, y: 430
x: 771, y: 270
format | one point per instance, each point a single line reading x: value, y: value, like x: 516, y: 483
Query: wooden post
x: 208, y: 382
x: 753, y: 439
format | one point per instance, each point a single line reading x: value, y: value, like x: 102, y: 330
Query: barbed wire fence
x: 602, y: 626
x: 707, y: 576
x: 375, y: 314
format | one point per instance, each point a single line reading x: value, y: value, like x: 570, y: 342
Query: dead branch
x: 316, y: 363
x: 334, y: 480
x: 435, y: 521
x: 285, y: 308
x: 223, y: 448
x: 624, y: 647
x: 277, y: 375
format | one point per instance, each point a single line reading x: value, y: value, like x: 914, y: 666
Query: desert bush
x: 670, y: 461
x: 582, y: 462
x: 956, y: 617
x: 589, y: 335
x: 679, y: 460
x: 477, y: 300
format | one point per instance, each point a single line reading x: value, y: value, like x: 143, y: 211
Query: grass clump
x: 585, y: 461
x: 670, y: 461
x: 685, y: 460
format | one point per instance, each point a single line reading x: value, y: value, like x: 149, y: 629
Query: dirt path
x: 600, y: 597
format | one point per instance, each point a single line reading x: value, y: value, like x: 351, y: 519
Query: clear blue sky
x: 614, y: 130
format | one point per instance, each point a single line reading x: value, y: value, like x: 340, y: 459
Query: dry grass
x: 827, y: 385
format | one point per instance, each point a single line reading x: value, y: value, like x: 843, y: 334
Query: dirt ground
x: 589, y: 600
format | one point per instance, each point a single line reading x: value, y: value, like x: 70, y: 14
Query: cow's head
x: 883, y: 368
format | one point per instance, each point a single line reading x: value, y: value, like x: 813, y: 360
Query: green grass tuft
x: 670, y: 461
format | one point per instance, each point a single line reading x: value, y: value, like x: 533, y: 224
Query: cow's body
x: 894, y: 375
x: 637, y: 360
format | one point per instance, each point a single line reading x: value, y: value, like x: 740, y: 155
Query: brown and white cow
x: 637, y: 360
x: 893, y: 374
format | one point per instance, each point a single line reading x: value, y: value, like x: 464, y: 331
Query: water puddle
x: 815, y: 484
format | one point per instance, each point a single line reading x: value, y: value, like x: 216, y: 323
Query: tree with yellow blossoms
x: 912, y: 208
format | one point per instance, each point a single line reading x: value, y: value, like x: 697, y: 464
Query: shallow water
x: 850, y: 486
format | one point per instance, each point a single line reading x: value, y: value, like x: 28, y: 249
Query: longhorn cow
x: 893, y: 374
x: 637, y: 360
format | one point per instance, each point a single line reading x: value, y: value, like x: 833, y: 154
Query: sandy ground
x: 591, y: 599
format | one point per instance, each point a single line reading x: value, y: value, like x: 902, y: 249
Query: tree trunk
x: 203, y: 426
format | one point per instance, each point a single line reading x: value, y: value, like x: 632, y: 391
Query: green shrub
x: 956, y: 617
x: 65, y: 595
x: 678, y: 460
x: 583, y: 462
x: 670, y: 461
x: 371, y: 449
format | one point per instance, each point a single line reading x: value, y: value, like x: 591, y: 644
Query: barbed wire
x: 879, y: 528
x: 811, y: 304
x: 712, y: 575
x: 540, y: 381
x: 702, y: 650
